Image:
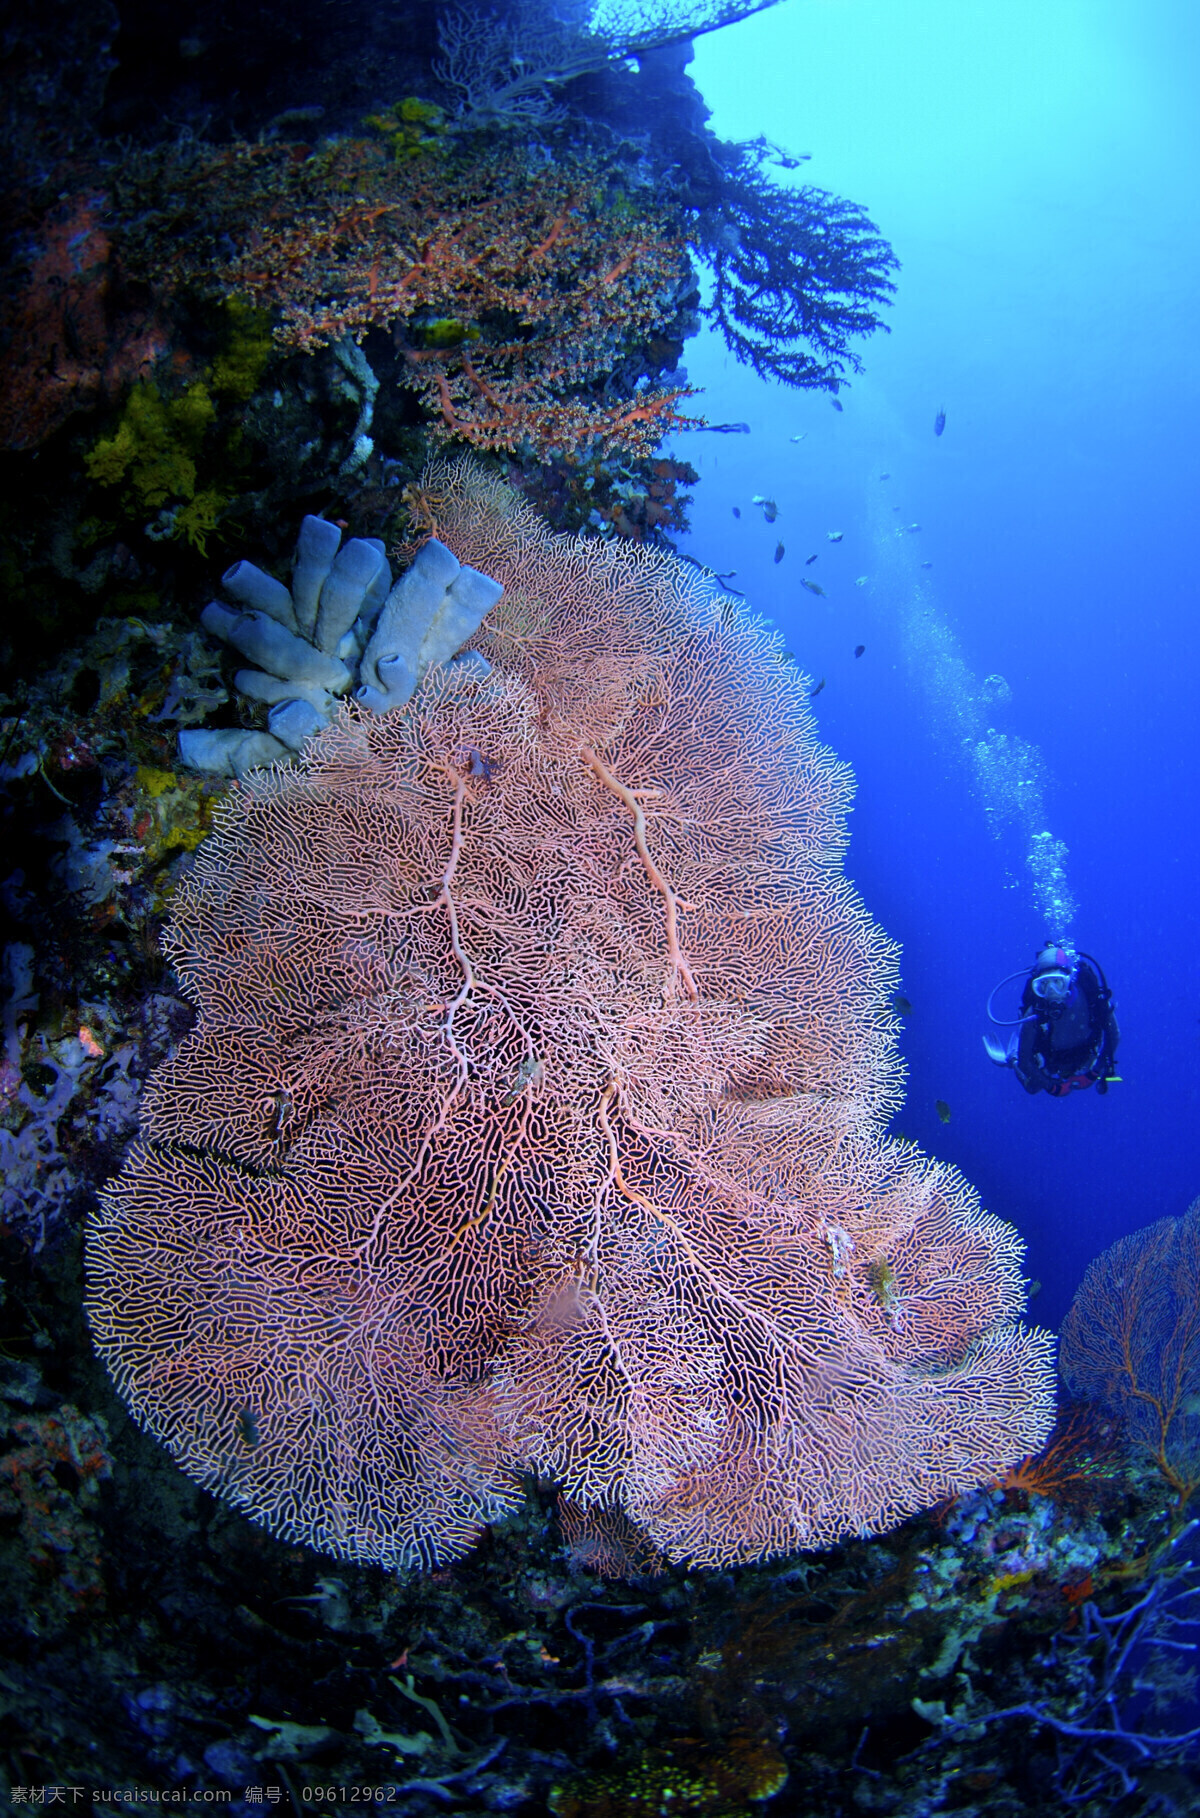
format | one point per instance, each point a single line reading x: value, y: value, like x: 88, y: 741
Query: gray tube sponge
x: 470, y: 663
x: 354, y: 573
x: 316, y: 547
x: 306, y: 644
x: 281, y: 652
x: 229, y: 753
x: 258, y: 686
x: 390, y: 667
x: 251, y: 587
x: 468, y: 601
x: 294, y: 722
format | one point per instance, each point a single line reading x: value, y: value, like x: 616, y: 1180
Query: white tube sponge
x: 251, y: 587
x: 316, y: 547
x: 354, y: 573
x: 436, y: 599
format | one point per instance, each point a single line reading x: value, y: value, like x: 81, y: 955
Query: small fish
x: 882, y: 1278
x: 885, y: 476
x: 280, y: 1110
x: 779, y: 552
x: 900, y: 1004
x: 812, y: 586
x: 247, y: 1424
x: 927, y: 564
x: 942, y: 1109
x: 725, y: 429
x: 814, y: 692
x: 809, y: 560
x: 834, y: 536
x: 1034, y: 1288
x: 770, y: 511
x: 911, y: 527
x: 835, y: 404
x: 939, y: 422
x: 480, y: 767
x: 800, y: 438
x: 529, y: 1073
x: 737, y: 511
x: 858, y: 649
x: 861, y: 580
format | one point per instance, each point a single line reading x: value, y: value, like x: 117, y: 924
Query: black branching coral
x: 798, y: 272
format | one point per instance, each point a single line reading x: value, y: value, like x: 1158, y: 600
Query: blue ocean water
x: 1034, y: 168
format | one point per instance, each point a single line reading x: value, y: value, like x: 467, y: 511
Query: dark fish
x: 247, y: 1421
x: 812, y: 586
x: 280, y: 1111
x: 480, y: 767
x: 737, y: 511
x: 779, y: 552
x: 529, y: 1073
x: 814, y: 692
x: 942, y: 1109
x: 885, y: 476
x: 927, y: 564
x: 725, y: 429
x: 858, y: 649
x: 900, y: 1004
x: 1033, y: 1289
x: 809, y: 561
x: 770, y: 511
x: 835, y: 404
x: 939, y: 422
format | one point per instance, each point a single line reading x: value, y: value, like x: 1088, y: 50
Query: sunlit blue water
x: 1035, y: 168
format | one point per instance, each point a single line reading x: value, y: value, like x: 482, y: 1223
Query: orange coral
x: 535, y: 1119
x: 66, y: 343
x: 514, y: 289
x: 50, y: 1475
x: 1080, y: 1450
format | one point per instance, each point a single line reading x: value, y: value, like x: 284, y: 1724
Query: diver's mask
x: 1052, y: 987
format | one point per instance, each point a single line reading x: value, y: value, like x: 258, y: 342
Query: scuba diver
x: 1066, y: 1035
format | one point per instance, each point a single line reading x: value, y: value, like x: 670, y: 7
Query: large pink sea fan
x: 534, y: 1116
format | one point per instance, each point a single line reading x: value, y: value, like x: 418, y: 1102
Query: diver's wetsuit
x: 1063, y: 1047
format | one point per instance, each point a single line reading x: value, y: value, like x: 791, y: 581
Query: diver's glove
x: 998, y: 1052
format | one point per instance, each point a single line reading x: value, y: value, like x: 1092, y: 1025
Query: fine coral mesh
x: 534, y: 1116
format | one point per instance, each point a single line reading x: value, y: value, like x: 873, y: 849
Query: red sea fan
x: 1131, y: 1343
x: 534, y: 1117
